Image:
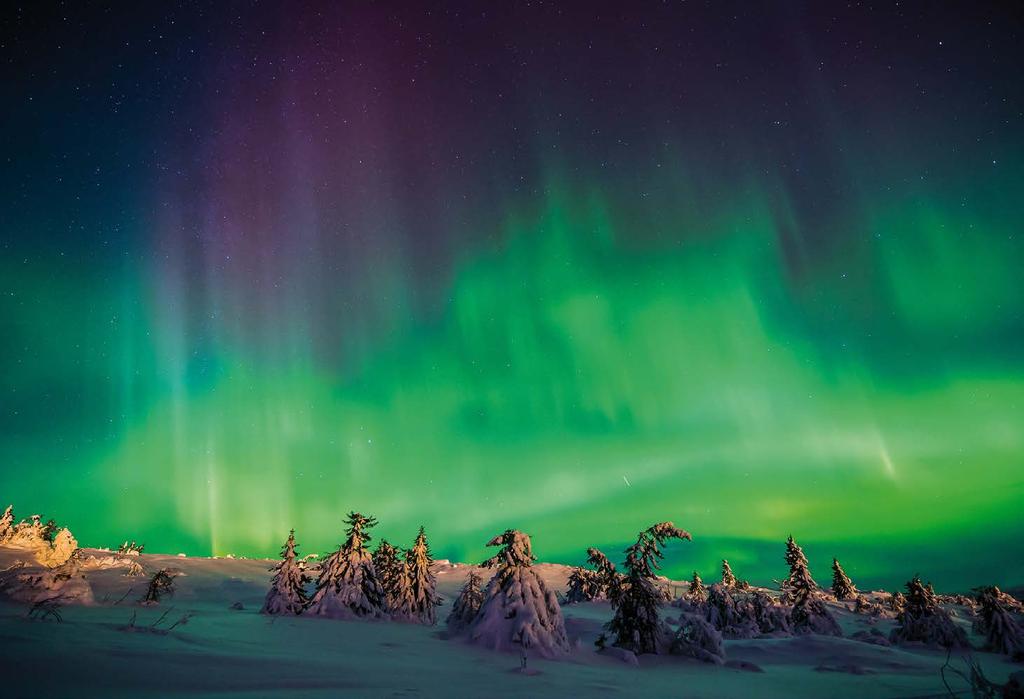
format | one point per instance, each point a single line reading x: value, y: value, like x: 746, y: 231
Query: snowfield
x: 221, y: 646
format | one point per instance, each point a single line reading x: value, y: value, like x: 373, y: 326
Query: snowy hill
x: 221, y: 646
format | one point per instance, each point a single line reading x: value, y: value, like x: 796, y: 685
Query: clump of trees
x: 923, y: 620
x: 996, y: 621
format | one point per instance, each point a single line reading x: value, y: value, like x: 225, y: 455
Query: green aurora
x: 673, y: 338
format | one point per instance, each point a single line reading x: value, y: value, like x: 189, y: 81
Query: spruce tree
x: 423, y: 584
x: 467, y: 604
x: 1003, y: 632
x: 636, y: 624
x: 7, y: 523
x: 798, y: 566
x: 392, y: 576
x: 519, y: 612
x: 810, y: 615
x: 697, y: 591
x: 923, y: 620
x: 287, y: 594
x: 348, y: 585
x: 582, y: 586
x: 842, y: 587
x: 728, y: 579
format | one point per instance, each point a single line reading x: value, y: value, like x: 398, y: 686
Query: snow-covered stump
x: 348, y: 586
x: 922, y: 620
x: 287, y: 594
x: 519, y: 612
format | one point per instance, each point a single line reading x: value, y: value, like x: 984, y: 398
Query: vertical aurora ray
x: 421, y: 280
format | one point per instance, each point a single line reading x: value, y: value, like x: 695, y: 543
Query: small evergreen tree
x: 425, y: 599
x: 636, y: 624
x: 160, y: 585
x: 519, y: 612
x: 923, y: 620
x: 1003, y: 632
x: 287, y: 594
x: 697, y: 591
x: 467, y: 604
x: 798, y: 566
x: 728, y: 579
x: 810, y: 615
x: 348, y: 585
x: 392, y: 575
x: 842, y: 587
x: 582, y: 586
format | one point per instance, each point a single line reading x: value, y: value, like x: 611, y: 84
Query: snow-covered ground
x: 225, y: 651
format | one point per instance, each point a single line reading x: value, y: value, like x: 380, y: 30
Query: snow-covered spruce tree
x: 287, y: 594
x: 467, y: 604
x: 7, y: 523
x: 842, y: 587
x: 394, y: 579
x: 729, y: 613
x: 519, y: 612
x: 797, y: 561
x: 582, y: 586
x: 809, y: 615
x: 697, y: 591
x: 923, y: 620
x: 423, y: 584
x: 347, y: 586
x: 587, y: 585
x: 728, y: 579
x: 1004, y: 633
x: 636, y: 625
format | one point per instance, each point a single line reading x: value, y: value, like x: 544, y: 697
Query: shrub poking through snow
x: 923, y: 620
x: 423, y: 584
x: 1003, y: 631
x: 728, y: 579
x: 287, y: 594
x: 518, y: 612
x: 467, y: 604
x: 348, y: 586
x: 842, y: 587
x: 394, y: 579
x: 697, y: 591
x: 636, y: 624
x: 161, y: 585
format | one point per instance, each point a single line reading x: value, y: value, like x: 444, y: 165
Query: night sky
x: 752, y: 268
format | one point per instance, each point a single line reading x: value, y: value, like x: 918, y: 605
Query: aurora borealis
x: 753, y: 268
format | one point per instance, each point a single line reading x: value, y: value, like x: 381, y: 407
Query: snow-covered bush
x: 696, y: 638
x: 519, y: 612
x: 59, y: 551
